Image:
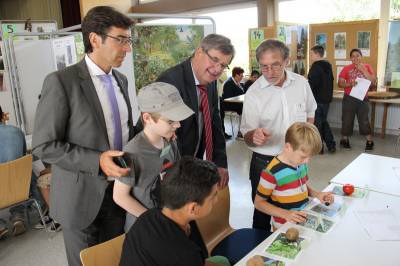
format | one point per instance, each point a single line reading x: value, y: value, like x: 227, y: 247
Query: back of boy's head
x: 305, y: 137
x: 189, y: 180
x: 318, y: 49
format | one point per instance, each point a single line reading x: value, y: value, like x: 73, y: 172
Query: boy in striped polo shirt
x: 283, y: 190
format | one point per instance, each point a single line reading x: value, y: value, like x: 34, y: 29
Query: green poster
x: 8, y: 29
x: 157, y: 48
x: 256, y: 37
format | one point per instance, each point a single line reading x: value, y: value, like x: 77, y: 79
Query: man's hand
x: 224, y: 175
x: 261, y: 136
x: 108, y: 166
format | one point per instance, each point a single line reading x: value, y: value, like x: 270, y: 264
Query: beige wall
x: 34, y: 9
x: 121, y: 5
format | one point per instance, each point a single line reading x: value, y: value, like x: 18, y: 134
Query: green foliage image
x: 282, y: 247
x: 157, y: 48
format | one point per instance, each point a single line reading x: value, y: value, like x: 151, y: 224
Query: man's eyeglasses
x: 216, y: 61
x: 121, y: 40
x: 273, y: 67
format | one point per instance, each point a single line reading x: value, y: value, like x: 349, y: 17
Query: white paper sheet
x: 360, y: 89
x: 380, y: 224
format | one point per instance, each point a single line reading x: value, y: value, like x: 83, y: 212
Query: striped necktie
x: 204, y: 108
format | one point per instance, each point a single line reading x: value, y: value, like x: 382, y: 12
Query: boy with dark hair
x: 283, y: 190
x: 320, y: 78
x: 160, y: 236
x: 151, y: 152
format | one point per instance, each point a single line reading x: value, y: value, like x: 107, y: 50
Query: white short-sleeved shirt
x: 276, y: 108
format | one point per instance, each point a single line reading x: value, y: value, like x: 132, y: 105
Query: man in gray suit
x: 83, y: 119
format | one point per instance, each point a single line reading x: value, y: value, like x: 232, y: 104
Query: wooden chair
x: 104, y: 254
x: 221, y: 239
x: 215, y: 226
x: 15, y: 180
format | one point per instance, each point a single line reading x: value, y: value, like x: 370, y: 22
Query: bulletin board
x: 293, y: 35
x: 256, y: 36
x: 340, y: 37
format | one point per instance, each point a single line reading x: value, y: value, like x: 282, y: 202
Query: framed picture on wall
x: 363, y: 42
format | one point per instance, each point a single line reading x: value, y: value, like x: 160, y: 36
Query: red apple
x: 348, y: 189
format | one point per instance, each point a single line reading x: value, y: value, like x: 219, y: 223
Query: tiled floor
x: 41, y: 249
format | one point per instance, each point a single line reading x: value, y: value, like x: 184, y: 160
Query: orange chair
x: 104, y: 254
x: 15, y: 180
x: 221, y: 239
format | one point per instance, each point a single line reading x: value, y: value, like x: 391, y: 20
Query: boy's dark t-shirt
x: 157, y: 240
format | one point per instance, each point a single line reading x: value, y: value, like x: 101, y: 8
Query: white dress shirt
x: 276, y: 108
x: 95, y: 71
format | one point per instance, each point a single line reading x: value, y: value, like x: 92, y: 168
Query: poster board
x: 159, y: 47
x: 392, y: 71
x: 340, y: 37
x: 35, y: 59
x: 293, y: 35
x: 256, y: 36
x: 295, y: 38
x: 8, y: 27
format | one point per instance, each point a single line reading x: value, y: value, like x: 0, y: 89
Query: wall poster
x: 340, y: 45
x: 320, y: 39
x: 159, y: 47
x: 363, y: 42
x: 392, y: 72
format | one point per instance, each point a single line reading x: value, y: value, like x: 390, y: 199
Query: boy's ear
x: 192, y: 209
x: 146, y: 118
x: 288, y: 146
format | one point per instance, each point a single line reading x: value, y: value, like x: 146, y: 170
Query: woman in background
x: 352, y: 106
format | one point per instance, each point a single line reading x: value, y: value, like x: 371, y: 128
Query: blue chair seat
x: 239, y: 243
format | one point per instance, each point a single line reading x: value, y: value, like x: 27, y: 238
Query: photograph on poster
x: 158, y: 47
x: 320, y: 39
x: 392, y: 73
x: 340, y: 45
x: 64, y: 51
x: 363, y: 42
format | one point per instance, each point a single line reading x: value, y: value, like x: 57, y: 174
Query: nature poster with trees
x: 392, y: 73
x: 159, y: 47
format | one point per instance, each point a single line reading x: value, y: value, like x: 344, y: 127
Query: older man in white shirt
x: 274, y: 102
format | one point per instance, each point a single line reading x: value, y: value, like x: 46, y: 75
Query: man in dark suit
x: 83, y: 119
x: 232, y: 88
x: 194, y: 78
x: 202, y: 133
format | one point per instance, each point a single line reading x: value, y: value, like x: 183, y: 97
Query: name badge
x: 300, y: 112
